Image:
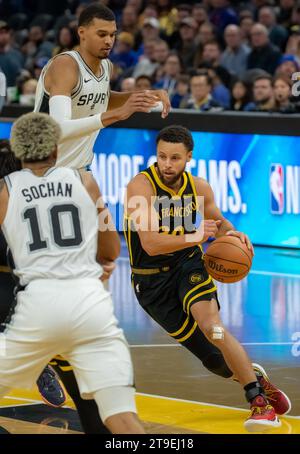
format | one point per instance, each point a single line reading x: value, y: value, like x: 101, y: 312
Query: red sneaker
x: 279, y: 401
x: 263, y: 416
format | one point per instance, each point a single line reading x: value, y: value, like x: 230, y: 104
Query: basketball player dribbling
x: 169, y: 277
x: 49, y: 216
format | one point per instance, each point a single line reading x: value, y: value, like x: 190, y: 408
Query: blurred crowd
x: 209, y: 55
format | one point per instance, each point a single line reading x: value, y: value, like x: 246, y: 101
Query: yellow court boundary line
x: 202, y: 417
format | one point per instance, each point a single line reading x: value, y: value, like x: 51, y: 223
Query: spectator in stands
x: 186, y: 48
x: 11, y: 60
x: 36, y: 46
x: 28, y: 89
x: 171, y: 71
x: 263, y: 55
x: 240, y: 96
x: 285, y: 12
x: 150, y: 29
x: 149, y: 11
x: 201, y: 98
x: 288, y: 65
x: 221, y: 79
x: 246, y: 24
x: 222, y: 14
x: 128, y: 84
x: 166, y: 16
x: 123, y: 54
x: 234, y: 57
x: 67, y: 39
x: 38, y: 66
x: 143, y: 82
x: 181, y: 95
x: 263, y: 95
x: 212, y: 53
x: 278, y: 35
x: 282, y: 86
x: 129, y: 20
x: 199, y: 13
x: 206, y: 33
x: 293, y: 45
x: 147, y: 63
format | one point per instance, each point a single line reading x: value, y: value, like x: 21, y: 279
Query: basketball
x: 227, y: 259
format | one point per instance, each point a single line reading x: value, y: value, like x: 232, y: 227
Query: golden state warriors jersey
x: 176, y: 214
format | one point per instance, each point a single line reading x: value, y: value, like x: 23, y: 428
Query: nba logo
x: 277, y: 188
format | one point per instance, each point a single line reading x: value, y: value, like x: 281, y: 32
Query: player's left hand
x: 243, y: 237
x: 164, y: 98
x: 108, y: 268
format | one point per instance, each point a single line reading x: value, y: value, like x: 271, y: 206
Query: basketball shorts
x: 72, y: 318
x: 168, y: 295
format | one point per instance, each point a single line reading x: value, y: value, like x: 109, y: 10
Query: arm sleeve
x: 60, y: 108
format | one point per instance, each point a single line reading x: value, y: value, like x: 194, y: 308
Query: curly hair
x: 34, y: 137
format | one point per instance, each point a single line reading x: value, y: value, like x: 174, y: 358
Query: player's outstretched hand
x: 141, y: 101
x: 243, y: 237
x: 165, y: 100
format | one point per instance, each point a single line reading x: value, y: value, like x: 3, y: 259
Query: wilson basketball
x: 227, y: 259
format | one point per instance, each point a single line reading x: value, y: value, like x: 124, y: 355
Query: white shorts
x: 73, y: 318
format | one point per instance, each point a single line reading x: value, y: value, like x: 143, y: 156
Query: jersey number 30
x: 55, y: 219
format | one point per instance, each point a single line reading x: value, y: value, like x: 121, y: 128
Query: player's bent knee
x: 115, y: 400
x: 216, y: 364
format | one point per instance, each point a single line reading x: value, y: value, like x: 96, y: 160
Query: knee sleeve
x: 216, y: 364
x: 115, y: 400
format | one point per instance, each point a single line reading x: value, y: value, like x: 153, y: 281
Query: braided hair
x: 8, y: 162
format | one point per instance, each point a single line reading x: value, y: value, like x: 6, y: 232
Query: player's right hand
x: 142, y: 101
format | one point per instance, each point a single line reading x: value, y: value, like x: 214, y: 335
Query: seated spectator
x: 240, y: 96
x: 282, y: 86
x: 234, y: 57
x: 36, y: 46
x: 277, y: 34
x: 28, y: 89
x: 11, y: 60
x: 181, y: 93
x: 123, y: 54
x: 199, y: 13
x: 246, y: 24
x: 128, y: 84
x: 288, y: 65
x: 222, y: 14
x: 143, y: 82
x: 293, y: 45
x: 285, y: 12
x: 171, y: 71
x: 186, y: 48
x: 38, y: 66
x: 263, y: 95
x: 263, y: 55
x: 67, y: 39
x: 201, y: 98
x: 147, y: 63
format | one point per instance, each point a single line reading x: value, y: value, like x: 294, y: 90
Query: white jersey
x: 51, y: 226
x: 89, y: 97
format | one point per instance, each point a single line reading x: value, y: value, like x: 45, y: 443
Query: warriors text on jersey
x: 176, y: 214
x: 51, y: 226
x: 89, y: 97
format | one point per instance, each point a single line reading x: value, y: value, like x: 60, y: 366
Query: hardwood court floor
x: 176, y: 394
